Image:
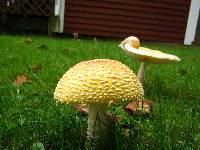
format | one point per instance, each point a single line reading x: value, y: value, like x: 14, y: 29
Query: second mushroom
x: 131, y: 47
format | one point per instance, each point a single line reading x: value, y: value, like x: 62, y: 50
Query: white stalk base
x: 96, y: 120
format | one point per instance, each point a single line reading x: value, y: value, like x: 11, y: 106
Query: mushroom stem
x: 141, y: 72
x: 96, y: 119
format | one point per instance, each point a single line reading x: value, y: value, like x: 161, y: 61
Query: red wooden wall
x: 150, y: 20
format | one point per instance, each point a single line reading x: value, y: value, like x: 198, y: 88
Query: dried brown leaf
x: 84, y: 111
x: 20, y: 79
x: 114, y: 118
x: 142, y: 106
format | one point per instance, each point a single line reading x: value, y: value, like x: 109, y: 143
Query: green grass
x: 30, y: 117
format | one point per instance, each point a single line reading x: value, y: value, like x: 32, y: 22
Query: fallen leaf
x: 142, y: 106
x: 84, y: 111
x: 20, y: 79
x: 113, y: 117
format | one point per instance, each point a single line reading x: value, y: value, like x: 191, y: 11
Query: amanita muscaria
x: 96, y: 83
x: 131, y: 47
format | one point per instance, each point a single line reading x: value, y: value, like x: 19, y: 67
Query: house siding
x: 150, y: 20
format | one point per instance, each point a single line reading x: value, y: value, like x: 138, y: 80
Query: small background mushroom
x: 131, y: 47
x: 95, y: 84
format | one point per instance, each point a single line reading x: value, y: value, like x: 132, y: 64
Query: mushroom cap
x: 98, y: 80
x: 132, y: 41
x: 145, y: 54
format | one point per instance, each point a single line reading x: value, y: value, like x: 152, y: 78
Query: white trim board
x: 59, y: 13
x: 192, y: 22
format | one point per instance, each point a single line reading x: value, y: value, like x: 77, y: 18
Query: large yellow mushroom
x: 131, y: 47
x: 96, y: 83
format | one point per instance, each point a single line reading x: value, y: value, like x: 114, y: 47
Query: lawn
x: 30, y: 118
